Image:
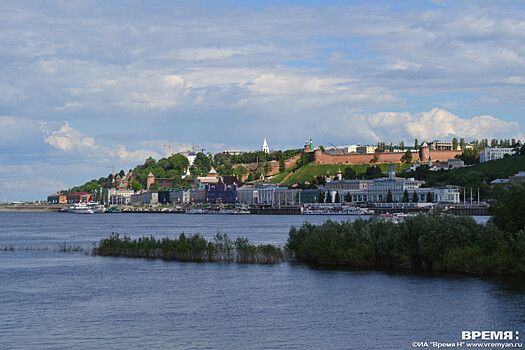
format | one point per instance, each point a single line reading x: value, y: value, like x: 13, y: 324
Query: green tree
x: 250, y: 177
x: 282, y: 165
x: 454, y: 143
x: 416, y: 146
x: 406, y: 197
x: 462, y: 144
x: 349, y: 173
x: 389, y: 198
x: 415, y: 198
x: 321, y: 197
x: 430, y: 197
x: 337, y: 198
x: 154, y: 187
x: 305, y: 159
x: 136, y: 186
x: 240, y: 171
x: 509, y: 208
x: 408, y: 156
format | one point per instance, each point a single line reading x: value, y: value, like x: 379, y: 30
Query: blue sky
x: 88, y: 84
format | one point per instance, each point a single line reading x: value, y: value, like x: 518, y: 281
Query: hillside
x: 476, y: 176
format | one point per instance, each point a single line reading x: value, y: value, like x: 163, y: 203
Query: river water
x: 53, y: 300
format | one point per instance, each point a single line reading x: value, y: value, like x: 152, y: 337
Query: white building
x: 492, y: 153
x: 377, y: 190
x: 265, y: 147
x: 191, y: 157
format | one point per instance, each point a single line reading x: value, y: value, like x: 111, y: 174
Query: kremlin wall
x: 423, y: 155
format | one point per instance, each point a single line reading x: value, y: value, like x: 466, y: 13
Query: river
x: 54, y: 300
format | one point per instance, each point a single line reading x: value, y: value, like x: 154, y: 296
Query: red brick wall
x: 385, y: 157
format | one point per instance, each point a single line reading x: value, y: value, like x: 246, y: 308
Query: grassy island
x: 192, y: 248
x: 423, y: 243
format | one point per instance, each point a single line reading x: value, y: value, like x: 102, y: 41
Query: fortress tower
x: 424, y: 152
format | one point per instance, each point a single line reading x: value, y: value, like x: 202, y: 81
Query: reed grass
x: 191, y: 248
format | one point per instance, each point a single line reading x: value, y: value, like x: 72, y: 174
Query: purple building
x: 224, y: 191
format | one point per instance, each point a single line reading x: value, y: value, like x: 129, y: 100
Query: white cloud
x: 70, y: 140
x: 66, y: 138
x: 434, y: 124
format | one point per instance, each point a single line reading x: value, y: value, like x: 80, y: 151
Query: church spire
x: 265, y: 147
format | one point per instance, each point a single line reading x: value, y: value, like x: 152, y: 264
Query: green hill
x: 476, y: 176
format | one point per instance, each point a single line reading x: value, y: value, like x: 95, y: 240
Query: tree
x: 240, y: 171
x: 322, y: 148
x: 462, y: 144
x: 320, y: 180
x: 376, y: 157
x: 406, y: 197
x: 408, y: 156
x: 415, y: 198
x: 349, y: 173
x: 416, y: 145
x: 469, y: 156
x: 250, y: 177
x: 305, y: 159
x: 430, y: 197
x: 454, y: 143
x: 509, y: 211
x: 337, y: 198
x: 321, y: 197
x: 282, y: 165
x: 136, y: 186
x: 154, y: 186
x: 389, y: 198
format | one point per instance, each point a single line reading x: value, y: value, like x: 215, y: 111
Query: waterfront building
x: 492, y: 153
x: 144, y: 197
x: 365, y: 191
x: 117, y: 195
x: 188, y: 196
x: 221, y: 192
x: 78, y: 197
x: 57, y: 198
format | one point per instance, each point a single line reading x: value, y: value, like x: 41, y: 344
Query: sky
x: 90, y: 84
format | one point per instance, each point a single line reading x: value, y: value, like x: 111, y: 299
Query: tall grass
x: 191, y: 248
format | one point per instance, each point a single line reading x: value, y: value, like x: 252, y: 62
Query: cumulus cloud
x: 68, y: 139
x: 434, y: 124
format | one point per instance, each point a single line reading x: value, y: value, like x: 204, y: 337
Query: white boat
x: 86, y: 208
x: 195, y: 211
x: 96, y: 207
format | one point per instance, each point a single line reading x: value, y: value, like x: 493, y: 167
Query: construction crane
x: 169, y: 149
x: 337, y: 149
